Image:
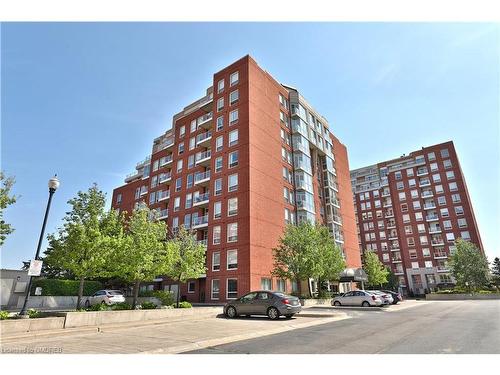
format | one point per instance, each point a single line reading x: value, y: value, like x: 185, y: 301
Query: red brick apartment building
x: 410, y: 210
x: 238, y: 165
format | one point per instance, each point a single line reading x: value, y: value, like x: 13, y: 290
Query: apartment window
x: 406, y: 218
x: 190, y: 161
x: 447, y: 163
x: 281, y: 285
x: 408, y: 229
x: 421, y: 228
x: 385, y: 257
x: 414, y: 265
x: 193, y: 126
x: 232, y: 259
x: 424, y: 240
x: 459, y: 210
x: 444, y: 212
x: 400, y: 185
x: 410, y: 241
x: 445, y: 153
x: 232, y: 182
x: 181, y: 148
x: 233, y: 159
x: 413, y: 254
x: 137, y: 193
x: 431, y: 156
x: 455, y: 198
x: 189, y: 181
x: 428, y: 264
x: 439, y: 189
x: 182, y: 131
x: 177, y: 204
x: 409, y: 172
x: 232, y: 232
x: 216, y: 235
x: 419, y: 216
x: 233, y: 117
x: 215, y: 289
x: 453, y: 186
x: 450, y: 175
x: 191, y: 287
x: 220, y: 104
x: 398, y: 175
x: 220, y: 86
x: 404, y: 207
x: 218, y: 186
x: 218, y: 164
x: 187, y: 221
x: 287, y: 175
x: 436, y: 177
x: 178, y: 184
x: 462, y: 223
x: 175, y: 223
x: 450, y: 237
x: 447, y: 224
x: 233, y: 138
x: 266, y: 283
x: 234, y: 78
x: 152, y: 197
x: 233, y: 97
x: 217, y: 210
x: 219, y: 143
x: 232, y: 289
x: 232, y: 206
x: 402, y: 196
x: 179, y: 165
x: 220, y: 123
x: 375, y: 194
x: 412, y: 182
x: 465, y: 235
x: 426, y: 252
x: 434, y: 167
x: 441, y: 200
x: 119, y: 198
x: 192, y: 143
x: 155, y: 165
x: 416, y: 205
x: 189, y: 200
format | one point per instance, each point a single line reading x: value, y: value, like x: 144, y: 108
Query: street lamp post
x: 53, y: 185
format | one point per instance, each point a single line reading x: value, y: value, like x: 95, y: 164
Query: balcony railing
x: 200, y: 176
x: 200, y: 221
x: 133, y: 176
x: 424, y: 183
x: 165, y: 144
x: 205, y: 118
x: 201, y: 198
x: 145, y: 161
x: 440, y: 255
x: 163, y: 214
x: 165, y: 160
x: 437, y: 242
x: 162, y: 195
x: 431, y: 217
x: 203, y: 137
x: 426, y: 194
x: 429, y: 206
x: 386, y: 193
x: 422, y: 171
x: 203, y: 156
x: 164, y: 177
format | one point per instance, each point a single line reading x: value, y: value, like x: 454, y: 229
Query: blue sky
x: 86, y: 100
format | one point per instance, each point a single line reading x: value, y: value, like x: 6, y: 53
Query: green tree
x: 392, y: 281
x: 83, y: 243
x: 188, y: 257
x: 6, y: 199
x: 143, y: 253
x: 330, y: 260
x: 469, y: 266
x: 495, y: 271
x: 376, y: 271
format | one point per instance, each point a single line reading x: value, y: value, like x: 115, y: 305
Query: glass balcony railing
x: 202, y: 198
x: 200, y: 176
x: 203, y: 155
x: 201, y: 220
x: 163, y: 214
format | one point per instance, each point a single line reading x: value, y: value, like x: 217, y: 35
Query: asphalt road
x: 431, y: 328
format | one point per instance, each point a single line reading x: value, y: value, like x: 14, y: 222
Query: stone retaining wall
x: 28, y: 325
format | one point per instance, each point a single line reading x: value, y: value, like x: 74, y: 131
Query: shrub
x: 166, y: 298
x: 146, y: 305
x: 56, y: 287
x: 32, y: 313
x: 184, y: 305
x: 121, y: 306
x: 4, y: 315
x: 99, y: 307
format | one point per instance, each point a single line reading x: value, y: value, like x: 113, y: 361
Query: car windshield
x: 114, y: 292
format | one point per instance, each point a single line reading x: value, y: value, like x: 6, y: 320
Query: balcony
x: 144, y: 192
x: 163, y: 195
x: 168, y: 143
x: 166, y: 160
x: 336, y: 219
x: 144, y: 162
x: 440, y: 255
x: 205, y: 121
x: 391, y: 225
x: 386, y: 194
x: 333, y: 201
x: 203, y: 139
x: 434, y: 230
x: 431, y: 218
x: 429, y: 206
x: 394, y: 247
x: 437, y: 242
x: 427, y: 194
x: 393, y: 236
x: 201, y: 200
x: 397, y: 260
x: 163, y: 214
x: 387, y: 204
x: 202, y: 178
x: 442, y: 268
x: 133, y: 176
x: 200, y: 222
x: 398, y: 272
x: 389, y: 214
x: 424, y: 183
x: 164, y: 177
x: 203, y: 158
x: 422, y: 171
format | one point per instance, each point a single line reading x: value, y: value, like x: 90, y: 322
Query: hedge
x: 57, y: 287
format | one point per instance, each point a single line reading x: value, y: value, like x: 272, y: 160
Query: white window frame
x: 212, y: 289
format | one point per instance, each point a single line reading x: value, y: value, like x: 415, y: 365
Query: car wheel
x: 365, y: 304
x: 231, y: 312
x: 273, y: 313
x: 289, y: 316
x: 337, y: 303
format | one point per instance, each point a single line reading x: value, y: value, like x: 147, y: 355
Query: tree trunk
x: 137, y: 285
x: 80, y: 292
x: 178, y: 290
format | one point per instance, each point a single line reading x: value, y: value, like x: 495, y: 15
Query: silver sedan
x: 262, y: 302
x: 357, y: 298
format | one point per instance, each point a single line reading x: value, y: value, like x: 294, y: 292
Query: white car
x: 357, y: 298
x: 105, y: 296
x: 386, y: 298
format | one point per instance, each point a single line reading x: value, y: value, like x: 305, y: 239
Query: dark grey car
x: 263, y: 302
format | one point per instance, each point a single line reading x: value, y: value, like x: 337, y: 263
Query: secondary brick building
x: 238, y: 165
x: 410, y: 210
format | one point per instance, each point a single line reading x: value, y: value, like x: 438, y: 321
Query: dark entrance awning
x: 353, y: 274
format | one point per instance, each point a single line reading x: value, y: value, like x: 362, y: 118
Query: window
x: 155, y: 165
x: 187, y: 221
x: 266, y: 284
x: 191, y: 286
x: 431, y: 156
x: 152, y: 197
x: 217, y: 210
x: 404, y: 207
x: 408, y: 229
x: 450, y: 175
x: 193, y: 126
x: 450, y: 237
x: 218, y: 186
x: 281, y: 287
x: 220, y: 86
x: 453, y: 186
x: 192, y: 143
x: 421, y: 228
x: 137, y: 193
x: 232, y: 259
x: 234, y: 78
x: 402, y: 196
x: 436, y: 177
x: 455, y: 198
x: 232, y: 289
x: 416, y: 205
x: 179, y: 165
x: 414, y: 265
x: 232, y: 206
x: 216, y: 235
x: 419, y: 216
x: 444, y: 212
x: 459, y: 210
x: 447, y: 224
x: 400, y: 185
x: 424, y: 240
x: 119, y: 198
x: 218, y: 164
x: 220, y: 104
x: 233, y: 117
x: 182, y: 131
x: 232, y: 232
x: 177, y: 204
x: 442, y: 201
x: 406, y: 218
x: 233, y: 159
x: 428, y: 264
x: 219, y: 143
x: 189, y: 200
x: 447, y: 163
x: 409, y: 172
x: 398, y: 175
x: 215, y: 289
x: 181, y: 148
x: 412, y: 182
x: 445, y: 153
x: 462, y: 223
x: 190, y: 161
x: 233, y: 138
x: 434, y: 167
x: 439, y: 189
x: 220, y: 123
x: 175, y: 223
x: 410, y: 241
x: 178, y: 184
x: 465, y: 235
x: 232, y: 182
x: 233, y: 97
x: 189, y: 181
x: 426, y: 252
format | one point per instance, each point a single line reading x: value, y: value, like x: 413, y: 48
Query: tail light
x: 374, y: 298
x: 285, y: 301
